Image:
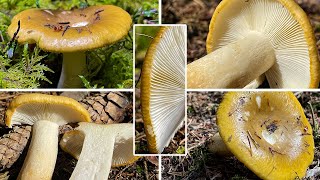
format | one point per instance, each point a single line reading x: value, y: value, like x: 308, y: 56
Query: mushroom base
x: 233, y: 66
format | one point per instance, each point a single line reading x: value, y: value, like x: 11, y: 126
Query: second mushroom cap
x: 268, y: 132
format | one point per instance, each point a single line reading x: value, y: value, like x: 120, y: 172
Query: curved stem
x: 256, y: 83
x: 95, y: 164
x: 234, y: 65
x: 43, y: 150
x: 73, y: 65
x: 217, y: 146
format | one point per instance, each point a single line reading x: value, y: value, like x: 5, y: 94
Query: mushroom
x: 252, y: 38
x: 163, y: 86
x: 98, y: 147
x: 72, y: 33
x: 268, y: 132
x: 46, y: 113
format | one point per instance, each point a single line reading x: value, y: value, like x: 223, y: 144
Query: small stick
x: 146, y: 169
x: 99, y: 11
x: 305, y: 134
x: 254, y: 142
x: 15, y: 34
x: 274, y: 151
x: 145, y: 35
x: 65, y: 29
x: 315, y: 123
x: 250, y: 146
x: 255, y: 133
x: 64, y: 23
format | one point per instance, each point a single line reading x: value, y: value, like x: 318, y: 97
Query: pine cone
x: 107, y: 107
x: 12, y: 145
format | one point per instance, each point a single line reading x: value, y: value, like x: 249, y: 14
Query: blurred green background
x: 143, y: 37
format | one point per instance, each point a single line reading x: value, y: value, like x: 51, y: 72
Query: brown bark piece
x: 12, y: 145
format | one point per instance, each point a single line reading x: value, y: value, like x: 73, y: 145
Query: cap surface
x: 285, y: 24
x: 163, y: 86
x: 69, y: 31
x: 268, y: 132
x: 29, y: 108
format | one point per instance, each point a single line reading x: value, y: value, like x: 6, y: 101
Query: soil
x: 201, y: 164
x: 144, y: 168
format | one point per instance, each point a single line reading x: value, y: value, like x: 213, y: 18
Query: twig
x: 15, y: 34
x: 146, y: 170
x: 315, y: 123
x: 145, y: 35
x: 119, y: 174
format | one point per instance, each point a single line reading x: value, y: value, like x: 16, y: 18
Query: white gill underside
x: 168, y: 85
x: 286, y: 36
x: 30, y: 113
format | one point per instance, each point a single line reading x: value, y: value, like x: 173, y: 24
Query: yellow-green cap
x: 268, y: 132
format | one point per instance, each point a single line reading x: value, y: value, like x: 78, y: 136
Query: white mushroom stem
x: 42, y: 153
x: 73, y: 65
x: 234, y: 65
x: 96, y: 158
x: 217, y: 146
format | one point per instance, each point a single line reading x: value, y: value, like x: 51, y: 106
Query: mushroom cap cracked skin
x: 268, y: 132
x: 69, y: 31
x: 163, y: 86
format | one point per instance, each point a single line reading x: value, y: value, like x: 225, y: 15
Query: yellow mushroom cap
x: 287, y: 27
x: 69, y: 31
x: 163, y: 87
x: 30, y: 108
x: 268, y: 132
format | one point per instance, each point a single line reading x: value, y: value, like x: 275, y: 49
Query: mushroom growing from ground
x: 72, y: 33
x: 268, y: 132
x: 250, y: 39
x: 46, y: 113
x: 163, y: 86
x: 98, y: 147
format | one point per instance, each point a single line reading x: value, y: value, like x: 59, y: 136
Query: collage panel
x: 249, y: 135
x: 160, y: 57
x: 249, y: 43
x: 178, y: 113
x: 74, y: 135
x: 70, y: 44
